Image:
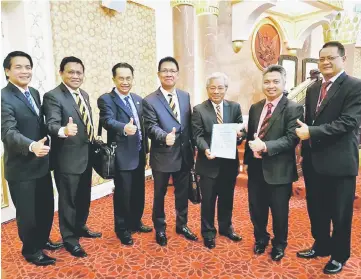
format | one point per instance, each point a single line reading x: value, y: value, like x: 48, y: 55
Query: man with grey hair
x: 217, y: 175
x: 270, y: 156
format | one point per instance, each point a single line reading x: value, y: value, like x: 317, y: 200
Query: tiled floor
x: 181, y: 258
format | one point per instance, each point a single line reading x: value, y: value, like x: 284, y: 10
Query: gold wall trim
x: 335, y: 4
x: 175, y: 3
x: 207, y: 11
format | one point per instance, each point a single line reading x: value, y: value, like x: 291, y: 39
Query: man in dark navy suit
x: 26, y: 159
x: 121, y: 114
x: 167, y: 119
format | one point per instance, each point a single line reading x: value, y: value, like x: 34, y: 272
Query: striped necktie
x: 219, y: 115
x: 27, y: 95
x: 172, y: 105
x: 84, y: 116
x: 139, y: 136
x: 265, y: 121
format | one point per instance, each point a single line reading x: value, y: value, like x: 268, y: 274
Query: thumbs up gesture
x: 170, y: 139
x: 130, y: 129
x: 39, y: 148
x: 71, y: 128
x: 257, y: 145
x: 302, y: 132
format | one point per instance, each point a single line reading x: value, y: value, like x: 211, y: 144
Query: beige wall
x: 101, y: 38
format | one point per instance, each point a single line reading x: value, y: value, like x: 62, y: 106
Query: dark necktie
x: 139, y: 142
x: 27, y: 95
x: 265, y: 121
x: 84, y: 116
x: 322, y: 94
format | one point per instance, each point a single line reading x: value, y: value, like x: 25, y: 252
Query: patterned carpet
x: 181, y: 258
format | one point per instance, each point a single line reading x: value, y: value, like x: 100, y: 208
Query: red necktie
x: 265, y: 121
x: 322, y: 94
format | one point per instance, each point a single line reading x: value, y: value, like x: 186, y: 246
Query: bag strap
x: 99, y: 129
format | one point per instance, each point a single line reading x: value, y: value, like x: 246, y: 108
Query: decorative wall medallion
x: 266, y: 45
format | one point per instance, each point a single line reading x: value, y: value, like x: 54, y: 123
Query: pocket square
x: 138, y: 103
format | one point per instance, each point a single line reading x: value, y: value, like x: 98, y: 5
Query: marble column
x: 183, y: 38
x: 206, y: 45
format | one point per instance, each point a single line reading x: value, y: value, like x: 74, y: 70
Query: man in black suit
x: 217, y: 175
x: 26, y: 158
x: 167, y: 119
x: 331, y: 157
x: 69, y: 122
x: 270, y: 156
x: 121, y: 114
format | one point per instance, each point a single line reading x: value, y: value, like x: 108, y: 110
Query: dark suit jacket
x: 159, y: 120
x: 334, y: 130
x: 71, y: 154
x: 203, y: 119
x: 279, y: 163
x: 20, y: 126
x: 114, y: 115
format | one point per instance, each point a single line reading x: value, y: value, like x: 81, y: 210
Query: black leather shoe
x: 41, y: 260
x: 277, y: 254
x: 85, y: 232
x: 232, y: 236
x: 259, y: 247
x: 187, y: 233
x: 310, y: 254
x: 161, y: 238
x: 125, y: 238
x: 49, y: 245
x: 76, y: 251
x: 143, y: 229
x: 210, y: 243
x: 332, y: 267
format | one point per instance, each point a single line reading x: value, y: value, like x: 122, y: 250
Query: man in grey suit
x: 270, y: 156
x: 69, y: 122
x: 217, y: 175
x: 167, y: 119
x: 26, y: 159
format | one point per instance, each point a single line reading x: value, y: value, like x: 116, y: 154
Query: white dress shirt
x: 175, y: 100
x: 220, y: 106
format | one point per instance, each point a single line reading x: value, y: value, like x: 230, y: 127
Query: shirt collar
x: 22, y: 90
x: 215, y: 105
x: 72, y: 90
x: 335, y: 77
x: 120, y: 94
x: 165, y: 92
x: 275, y: 101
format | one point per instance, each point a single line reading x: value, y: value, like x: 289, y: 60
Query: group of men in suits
x: 329, y: 149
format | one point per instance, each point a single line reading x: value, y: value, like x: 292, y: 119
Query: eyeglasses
x: 220, y: 88
x: 166, y: 71
x: 75, y: 73
x: 328, y: 58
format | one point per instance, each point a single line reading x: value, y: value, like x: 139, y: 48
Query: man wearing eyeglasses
x: 217, y: 175
x: 330, y: 157
x: 167, y: 119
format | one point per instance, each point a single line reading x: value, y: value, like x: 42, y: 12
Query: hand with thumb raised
x: 39, y: 148
x: 71, y: 129
x: 170, y: 139
x: 130, y: 129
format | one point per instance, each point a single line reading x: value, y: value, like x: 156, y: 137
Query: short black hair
x: 122, y: 65
x: 69, y: 59
x: 340, y: 47
x: 11, y: 55
x: 275, y: 68
x: 167, y: 59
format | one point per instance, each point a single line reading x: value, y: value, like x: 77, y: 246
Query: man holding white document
x: 270, y: 156
x: 217, y: 163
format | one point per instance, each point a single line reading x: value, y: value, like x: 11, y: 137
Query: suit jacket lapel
x: 211, y: 111
x: 120, y: 103
x: 314, y: 99
x: 182, y: 101
x: 330, y: 93
x: 69, y: 97
x: 86, y: 100
x: 226, y: 112
x: 276, y: 113
x: 257, y: 114
x: 165, y: 103
x: 137, y: 105
x: 35, y: 97
x: 21, y: 96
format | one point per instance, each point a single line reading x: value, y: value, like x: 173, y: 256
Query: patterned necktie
x: 172, y: 105
x: 265, y: 121
x: 322, y: 94
x: 139, y: 143
x: 219, y: 115
x: 27, y: 95
x: 84, y: 116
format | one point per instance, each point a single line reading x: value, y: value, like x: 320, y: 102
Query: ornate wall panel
x: 101, y: 38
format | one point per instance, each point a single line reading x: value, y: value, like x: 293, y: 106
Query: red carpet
x: 181, y: 258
